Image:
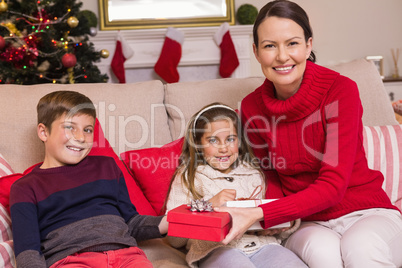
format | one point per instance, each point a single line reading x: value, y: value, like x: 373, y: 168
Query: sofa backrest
x: 184, y: 99
x: 132, y: 116
x: 377, y: 109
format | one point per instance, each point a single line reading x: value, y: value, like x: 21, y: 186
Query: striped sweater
x: 84, y: 207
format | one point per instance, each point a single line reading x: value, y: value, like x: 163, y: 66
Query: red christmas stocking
x: 229, y: 61
x: 166, y: 66
x: 121, y: 54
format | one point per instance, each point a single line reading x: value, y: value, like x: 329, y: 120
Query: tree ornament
x: 70, y: 75
x: 44, y: 66
x: 3, y: 6
x: 104, y: 53
x: 12, y: 29
x: 93, y: 31
x: 69, y: 60
x: 2, y: 42
x: 72, y: 22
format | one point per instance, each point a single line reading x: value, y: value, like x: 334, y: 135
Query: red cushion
x: 5, y: 186
x: 101, y: 146
x: 153, y: 169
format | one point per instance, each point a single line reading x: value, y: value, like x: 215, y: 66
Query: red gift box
x: 211, y: 226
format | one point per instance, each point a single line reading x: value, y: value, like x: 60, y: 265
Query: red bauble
x: 2, y: 42
x: 69, y: 60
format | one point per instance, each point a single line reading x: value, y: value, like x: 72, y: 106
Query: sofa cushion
x: 153, y: 169
x: 5, y: 186
x: 184, y: 99
x: 5, y: 168
x: 5, y: 225
x: 101, y: 146
x: 6, y: 243
x: 132, y: 116
x: 383, y: 146
x: 377, y: 109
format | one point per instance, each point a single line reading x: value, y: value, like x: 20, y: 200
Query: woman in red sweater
x: 304, y: 124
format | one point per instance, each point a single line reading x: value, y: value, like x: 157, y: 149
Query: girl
x: 216, y: 164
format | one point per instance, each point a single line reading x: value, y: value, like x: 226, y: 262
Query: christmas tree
x: 47, y: 41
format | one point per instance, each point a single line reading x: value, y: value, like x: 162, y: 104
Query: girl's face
x: 220, y: 145
x: 282, y: 52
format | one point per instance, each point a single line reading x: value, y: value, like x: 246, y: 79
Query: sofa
x: 140, y: 126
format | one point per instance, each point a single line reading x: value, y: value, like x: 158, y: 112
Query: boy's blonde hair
x: 55, y: 104
x: 191, y: 156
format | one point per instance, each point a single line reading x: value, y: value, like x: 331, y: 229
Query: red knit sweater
x: 314, y: 142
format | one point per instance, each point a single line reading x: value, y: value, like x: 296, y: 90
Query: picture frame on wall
x: 150, y: 14
x: 378, y: 62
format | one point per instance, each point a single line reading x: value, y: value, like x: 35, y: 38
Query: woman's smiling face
x: 282, y: 52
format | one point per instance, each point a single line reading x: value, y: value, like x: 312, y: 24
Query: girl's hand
x: 242, y: 219
x: 222, y: 197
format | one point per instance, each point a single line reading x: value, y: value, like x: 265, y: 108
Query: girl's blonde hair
x: 191, y: 156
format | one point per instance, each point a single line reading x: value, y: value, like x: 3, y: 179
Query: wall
x: 343, y: 29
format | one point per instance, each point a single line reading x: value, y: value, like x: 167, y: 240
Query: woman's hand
x: 222, y: 197
x: 242, y: 219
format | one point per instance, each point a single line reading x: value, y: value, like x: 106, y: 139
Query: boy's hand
x: 222, y: 197
x: 163, y: 225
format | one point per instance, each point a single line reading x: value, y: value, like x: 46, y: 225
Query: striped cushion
x: 7, y: 259
x: 5, y: 168
x: 383, y: 146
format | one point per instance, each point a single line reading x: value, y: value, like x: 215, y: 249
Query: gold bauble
x: 3, y: 6
x: 72, y: 22
x: 104, y: 53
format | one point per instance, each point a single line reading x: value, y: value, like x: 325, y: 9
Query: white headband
x: 209, y: 108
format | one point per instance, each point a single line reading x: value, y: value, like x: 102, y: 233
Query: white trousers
x: 367, y: 238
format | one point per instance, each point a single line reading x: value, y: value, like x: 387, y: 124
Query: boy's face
x: 69, y: 140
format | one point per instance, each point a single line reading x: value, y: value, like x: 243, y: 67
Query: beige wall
x: 343, y: 29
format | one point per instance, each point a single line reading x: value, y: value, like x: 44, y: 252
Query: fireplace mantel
x: 200, y: 55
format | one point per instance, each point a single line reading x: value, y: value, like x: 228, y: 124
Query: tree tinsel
x: 37, y: 34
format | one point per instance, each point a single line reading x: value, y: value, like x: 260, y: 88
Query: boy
x: 75, y: 209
